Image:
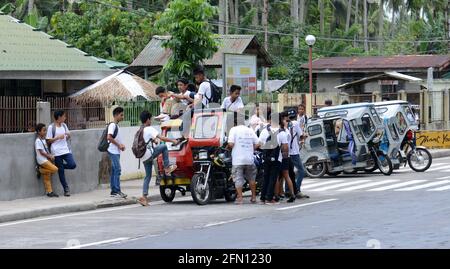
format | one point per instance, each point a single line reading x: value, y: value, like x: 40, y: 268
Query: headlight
x: 222, y: 156
x: 203, y: 155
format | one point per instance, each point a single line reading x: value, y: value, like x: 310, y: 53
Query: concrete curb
x: 51, y: 211
x: 440, y: 154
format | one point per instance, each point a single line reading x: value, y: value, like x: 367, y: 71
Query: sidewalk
x: 44, y: 206
x: 100, y: 198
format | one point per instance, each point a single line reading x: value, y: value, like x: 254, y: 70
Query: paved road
x: 405, y: 210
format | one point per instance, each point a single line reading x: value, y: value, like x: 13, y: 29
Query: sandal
x: 239, y: 202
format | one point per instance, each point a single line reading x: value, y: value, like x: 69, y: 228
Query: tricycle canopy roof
x: 350, y: 111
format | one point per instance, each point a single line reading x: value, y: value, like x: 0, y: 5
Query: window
x: 375, y: 115
x: 368, y: 127
x: 409, y: 115
x: 358, y: 132
x: 314, y: 130
x: 316, y: 142
x: 401, y: 123
x: 393, y: 131
x: 206, y: 127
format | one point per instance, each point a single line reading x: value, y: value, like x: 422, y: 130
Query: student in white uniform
x: 284, y: 139
x: 243, y: 141
x: 152, y: 152
x: 44, y: 160
x: 58, y: 136
x: 115, y: 147
x: 233, y: 102
x: 204, y: 94
x: 185, y: 96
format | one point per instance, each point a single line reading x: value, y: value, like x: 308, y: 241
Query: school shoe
x: 122, y: 195
x: 115, y: 195
x: 67, y: 193
x: 291, y: 200
x: 52, y: 195
x: 300, y: 195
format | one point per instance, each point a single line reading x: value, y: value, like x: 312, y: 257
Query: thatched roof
x: 121, y: 85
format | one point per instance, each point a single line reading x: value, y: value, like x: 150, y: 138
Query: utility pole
x: 226, y: 16
x: 221, y: 17
x: 295, y: 18
x: 366, y: 44
x: 265, y: 19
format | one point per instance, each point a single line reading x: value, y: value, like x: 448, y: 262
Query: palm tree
x: 349, y: 14
x: 322, y: 19
x: 380, y: 24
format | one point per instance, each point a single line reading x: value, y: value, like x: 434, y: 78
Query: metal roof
x: 399, y: 62
x: 23, y: 48
x: 392, y: 74
x: 154, y: 56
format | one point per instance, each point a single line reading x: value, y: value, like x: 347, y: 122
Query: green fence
x: 133, y: 109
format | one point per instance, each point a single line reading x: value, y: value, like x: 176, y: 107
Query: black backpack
x: 216, y: 93
x: 103, y: 144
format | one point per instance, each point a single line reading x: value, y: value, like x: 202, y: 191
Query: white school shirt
x: 232, y: 106
x: 205, y: 90
x: 113, y: 149
x: 41, y: 144
x: 244, y: 140
x: 59, y: 147
x: 185, y: 101
x: 149, y: 133
x: 294, y: 147
x: 283, y: 138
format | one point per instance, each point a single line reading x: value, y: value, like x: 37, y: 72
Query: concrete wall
x: 327, y: 82
x: 17, y: 173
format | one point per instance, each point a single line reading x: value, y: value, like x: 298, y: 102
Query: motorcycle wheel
x: 167, y: 193
x: 372, y: 168
x: 384, y: 164
x: 315, y: 170
x: 200, y: 197
x: 417, y: 157
x: 230, y: 196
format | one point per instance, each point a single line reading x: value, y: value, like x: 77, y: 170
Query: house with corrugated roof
x: 384, y: 74
x: 154, y: 56
x: 33, y: 63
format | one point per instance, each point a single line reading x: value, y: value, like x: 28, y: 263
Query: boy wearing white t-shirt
x: 115, y: 147
x: 233, y: 102
x: 243, y: 141
x: 152, y: 152
x: 57, y: 137
x: 45, y: 160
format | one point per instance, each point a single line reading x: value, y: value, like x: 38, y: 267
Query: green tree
x: 103, y: 31
x: 192, y: 41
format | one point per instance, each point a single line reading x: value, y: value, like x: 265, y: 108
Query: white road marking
x: 398, y: 185
x: 302, y: 205
x: 99, y: 243
x: 368, y: 185
x: 443, y: 177
x: 321, y: 184
x: 345, y: 184
x: 221, y: 223
x: 424, y: 186
x: 438, y: 168
x: 447, y: 187
x: 434, y: 167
